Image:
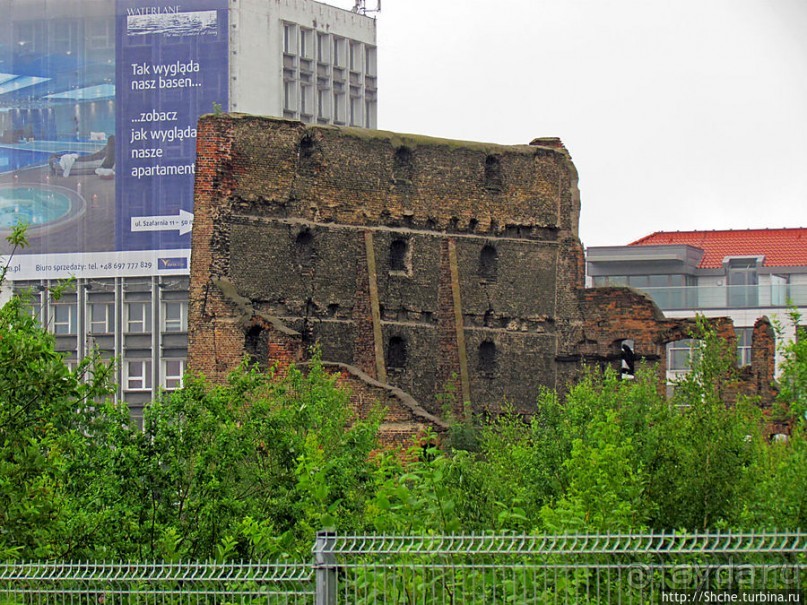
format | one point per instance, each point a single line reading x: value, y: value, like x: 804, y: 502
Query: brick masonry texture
x: 436, y: 265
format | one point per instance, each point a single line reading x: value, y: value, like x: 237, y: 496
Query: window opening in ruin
x: 487, y: 358
x: 304, y: 248
x: 628, y: 357
x: 256, y: 346
x: 308, y: 321
x: 396, y: 353
x: 493, y: 173
x: 402, y: 168
x: 309, y: 149
x: 488, y: 263
x: 399, y: 256
x: 488, y: 318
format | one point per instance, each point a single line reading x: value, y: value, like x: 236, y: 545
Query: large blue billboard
x: 98, y: 109
x: 171, y: 68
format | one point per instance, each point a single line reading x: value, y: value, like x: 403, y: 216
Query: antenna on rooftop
x: 361, y: 7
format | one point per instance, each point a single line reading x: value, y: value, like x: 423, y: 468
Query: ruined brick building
x: 417, y: 264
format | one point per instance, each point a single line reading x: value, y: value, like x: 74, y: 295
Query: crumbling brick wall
x: 423, y: 264
x: 615, y: 314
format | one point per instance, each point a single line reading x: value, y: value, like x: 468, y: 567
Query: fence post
x: 325, y: 566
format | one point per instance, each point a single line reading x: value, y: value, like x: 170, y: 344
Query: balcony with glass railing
x: 728, y: 297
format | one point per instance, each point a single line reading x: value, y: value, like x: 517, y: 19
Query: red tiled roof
x: 781, y: 247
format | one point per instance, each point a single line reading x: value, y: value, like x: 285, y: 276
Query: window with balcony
x: 742, y: 282
x: 780, y: 293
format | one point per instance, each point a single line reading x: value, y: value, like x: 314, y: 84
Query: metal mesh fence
x: 560, y: 569
x: 471, y: 569
x: 155, y: 583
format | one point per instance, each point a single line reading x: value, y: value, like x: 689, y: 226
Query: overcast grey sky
x: 679, y: 114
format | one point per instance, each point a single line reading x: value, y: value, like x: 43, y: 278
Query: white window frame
x: 64, y: 326
x: 138, y: 375
x: 173, y: 323
x: 107, y: 323
x: 141, y: 325
x: 744, y: 347
x: 173, y: 373
x: 687, y: 344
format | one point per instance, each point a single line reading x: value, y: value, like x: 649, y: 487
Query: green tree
x: 779, y: 487
x: 254, y: 466
x: 48, y: 425
x: 701, y: 471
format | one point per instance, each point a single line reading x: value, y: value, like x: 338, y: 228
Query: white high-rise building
x: 303, y: 60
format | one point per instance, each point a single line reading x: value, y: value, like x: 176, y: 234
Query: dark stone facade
x: 415, y: 262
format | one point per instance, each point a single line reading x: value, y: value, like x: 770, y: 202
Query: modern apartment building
x: 98, y: 107
x: 742, y: 274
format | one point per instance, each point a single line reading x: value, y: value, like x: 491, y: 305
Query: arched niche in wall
x: 399, y: 259
x: 396, y: 353
x: 488, y: 263
x: 304, y: 248
x: 486, y: 358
